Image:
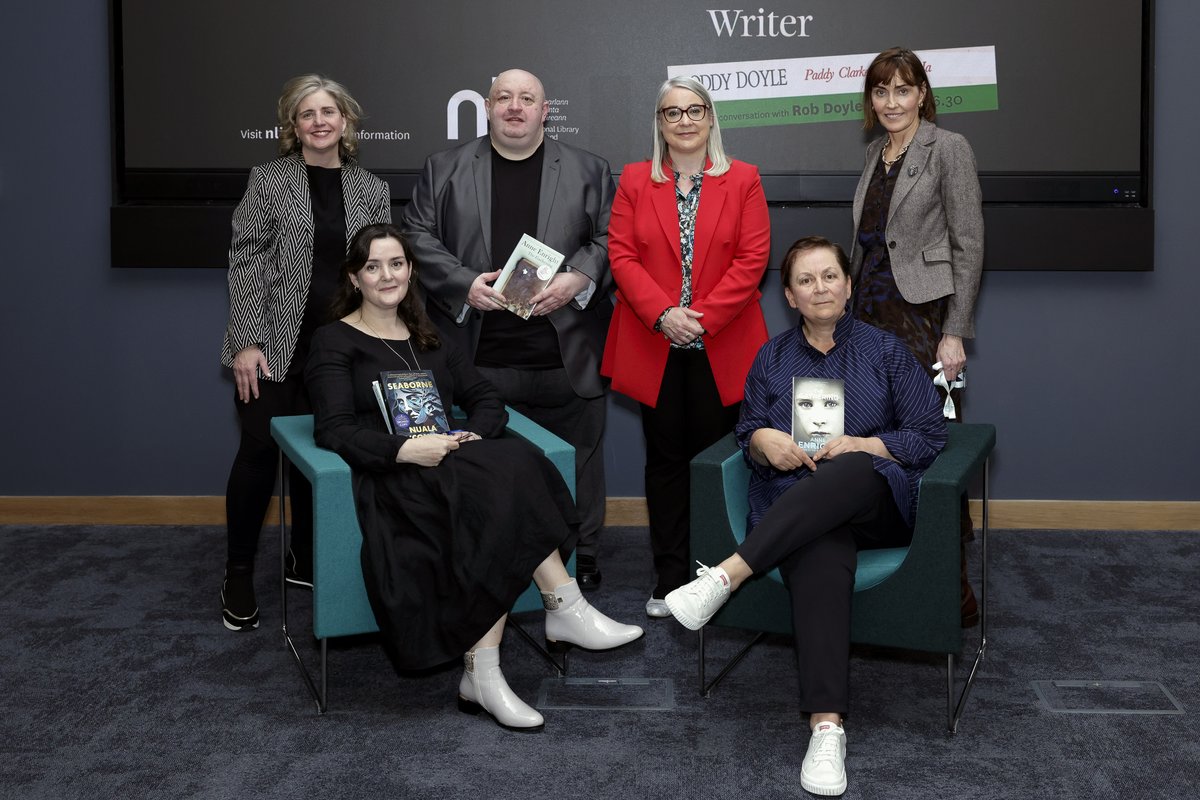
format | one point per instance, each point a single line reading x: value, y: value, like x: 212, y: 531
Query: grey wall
x: 113, y: 385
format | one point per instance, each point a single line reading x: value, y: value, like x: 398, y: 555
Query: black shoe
x: 296, y: 572
x: 587, y: 574
x: 239, y: 607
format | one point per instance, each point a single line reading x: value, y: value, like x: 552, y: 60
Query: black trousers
x: 688, y: 418
x: 547, y: 398
x: 813, y: 533
x: 252, y: 478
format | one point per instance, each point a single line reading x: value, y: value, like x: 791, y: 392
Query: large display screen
x: 1051, y: 95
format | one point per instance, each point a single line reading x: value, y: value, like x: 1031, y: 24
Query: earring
x: 356, y: 288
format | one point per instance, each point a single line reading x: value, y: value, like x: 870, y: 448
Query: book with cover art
x: 528, y: 271
x: 818, y: 411
x: 410, y: 402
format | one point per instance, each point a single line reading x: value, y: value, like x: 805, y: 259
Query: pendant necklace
x: 389, y: 347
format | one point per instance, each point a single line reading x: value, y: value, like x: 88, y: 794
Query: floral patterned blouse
x: 688, y: 204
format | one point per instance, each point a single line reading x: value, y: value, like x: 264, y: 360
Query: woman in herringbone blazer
x: 289, y: 239
x: 917, y: 254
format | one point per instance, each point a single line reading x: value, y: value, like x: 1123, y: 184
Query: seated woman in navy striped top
x: 810, y: 514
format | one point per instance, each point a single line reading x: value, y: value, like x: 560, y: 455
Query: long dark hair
x: 411, y: 309
x: 897, y: 60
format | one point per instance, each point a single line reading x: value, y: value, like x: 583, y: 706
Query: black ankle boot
x: 298, y: 569
x: 239, y: 607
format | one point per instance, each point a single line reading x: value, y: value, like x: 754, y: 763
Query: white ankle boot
x: 571, y: 620
x: 483, y: 688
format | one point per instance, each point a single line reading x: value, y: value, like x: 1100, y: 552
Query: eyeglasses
x: 675, y: 113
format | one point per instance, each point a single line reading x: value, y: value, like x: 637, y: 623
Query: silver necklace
x: 389, y: 347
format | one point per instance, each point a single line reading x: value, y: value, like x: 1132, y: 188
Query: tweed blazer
x: 449, y: 223
x: 271, y: 256
x: 934, y: 224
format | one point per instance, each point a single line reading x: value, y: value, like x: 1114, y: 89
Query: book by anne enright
x: 818, y: 411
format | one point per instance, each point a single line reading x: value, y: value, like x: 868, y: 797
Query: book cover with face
x: 818, y: 411
x: 413, y: 405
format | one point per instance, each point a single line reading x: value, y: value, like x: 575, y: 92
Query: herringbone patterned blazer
x: 270, y: 259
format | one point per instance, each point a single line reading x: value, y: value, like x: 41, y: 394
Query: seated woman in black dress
x: 453, y: 524
x: 810, y: 514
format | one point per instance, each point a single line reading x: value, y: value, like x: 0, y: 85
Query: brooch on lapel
x: 912, y: 170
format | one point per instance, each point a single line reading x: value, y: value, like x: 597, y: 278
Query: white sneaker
x: 823, y: 771
x: 694, y: 604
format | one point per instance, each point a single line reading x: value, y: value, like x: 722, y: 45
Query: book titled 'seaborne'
x: 410, y: 402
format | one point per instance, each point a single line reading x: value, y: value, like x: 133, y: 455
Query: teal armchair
x: 906, y: 597
x: 339, y: 595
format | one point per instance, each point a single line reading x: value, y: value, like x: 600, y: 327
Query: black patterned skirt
x: 878, y: 302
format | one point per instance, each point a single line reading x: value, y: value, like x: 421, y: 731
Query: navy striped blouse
x: 888, y: 394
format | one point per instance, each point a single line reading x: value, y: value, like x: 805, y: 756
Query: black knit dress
x: 447, y: 549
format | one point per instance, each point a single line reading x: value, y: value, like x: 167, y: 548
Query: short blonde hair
x: 300, y: 87
x: 716, y: 151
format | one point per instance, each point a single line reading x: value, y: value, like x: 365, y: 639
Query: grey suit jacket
x: 449, y: 223
x: 271, y: 256
x: 934, y: 224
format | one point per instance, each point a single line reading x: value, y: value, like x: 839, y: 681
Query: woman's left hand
x: 853, y: 444
x: 950, y: 352
x: 682, y: 326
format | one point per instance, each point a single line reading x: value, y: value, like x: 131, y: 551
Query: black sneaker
x: 239, y: 607
x: 297, y: 573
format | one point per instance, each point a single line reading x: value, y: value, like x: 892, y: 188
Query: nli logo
x: 456, y: 100
x: 732, y: 22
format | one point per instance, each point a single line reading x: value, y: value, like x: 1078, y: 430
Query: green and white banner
x: 792, y: 91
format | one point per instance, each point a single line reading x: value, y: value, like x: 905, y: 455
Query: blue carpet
x: 120, y: 681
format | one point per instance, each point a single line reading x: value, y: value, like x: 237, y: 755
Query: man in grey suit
x: 470, y: 207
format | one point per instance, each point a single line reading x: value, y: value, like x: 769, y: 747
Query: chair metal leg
x: 707, y: 688
x: 561, y: 669
x: 983, y: 547
x: 954, y: 712
x: 321, y: 697
x: 283, y: 538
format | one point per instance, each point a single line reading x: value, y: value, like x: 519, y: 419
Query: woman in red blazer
x: 688, y: 242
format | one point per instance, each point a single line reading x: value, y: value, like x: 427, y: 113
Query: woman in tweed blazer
x: 917, y: 255
x: 289, y: 239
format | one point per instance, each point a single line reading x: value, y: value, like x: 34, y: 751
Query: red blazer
x: 732, y: 245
